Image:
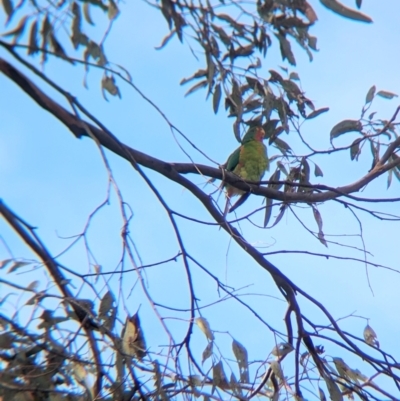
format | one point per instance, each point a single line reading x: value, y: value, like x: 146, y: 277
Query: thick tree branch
x: 80, y: 129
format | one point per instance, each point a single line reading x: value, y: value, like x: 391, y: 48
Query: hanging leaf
x: 105, y: 305
x: 294, y: 76
x: 18, y: 30
x: 282, y: 146
x: 56, y: 46
x: 333, y: 389
x: 207, y: 352
x: 216, y: 98
x: 342, y: 368
x: 358, y: 3
x: 197, y: 74
x: 355, y: 149
x: 235, y: 387
x: 86, y: 13
x: 390, y: 176
x: 195, y: 380
x: 112, y: 10
x: 322, y: 396
x: 204, y: 326
x: 5, y: 262
x: 316, y: 113
x: 345, y: 126
x: 268, y: 212
x: 370, y: 95
x: 33, y: 43
x: 312, y: 42
x: 317, y: 171
x: 240, y: 353
x: 108, y: 84
x: 344, y: 11
x: 370, y: 336
x: 318, y: 219
x: 219, y: 377
x: 79, y: 372
x: 166, y: 40
x: 282, y: 349
x: 133, y: 343
x: 276, y: 368
x: 386, y: 94
x: 199, y: 85
x: 286, y: 49
x: 33, y: 286
x: 17, y: 265
x: 8, y: 8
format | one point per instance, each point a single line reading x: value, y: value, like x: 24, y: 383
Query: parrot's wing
x: 233, y: 160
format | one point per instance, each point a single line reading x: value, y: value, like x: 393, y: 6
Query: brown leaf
x: 344, y: 11
x: 133, y: 342
x: 370, y: 94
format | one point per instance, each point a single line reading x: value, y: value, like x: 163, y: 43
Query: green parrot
x: 249, y: 161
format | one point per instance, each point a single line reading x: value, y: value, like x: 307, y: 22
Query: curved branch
x: 106, y: 139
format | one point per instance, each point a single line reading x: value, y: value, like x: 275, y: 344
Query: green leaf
x: 317, y: 171
x: 241, y: 356
x: 345, y: 126
x: 312, y: 42
x: 334, y: 392
x: 268, y: 212
x: 370, y: 336
x: 318, y: 219
x: 282, y: 349
x: 208, y: 351
x: 387, y: 95
x: 204, y: 326
x: 282, y: 146
x: 344, y: 11
x: 389, y: 180
x: 105, y: 305
x: 216, y: 98
x: 294, y: 76
x: 370, y: 94
x: 316, y: 113
x: 355, y: 149
x: 108, y: 84
x: 219, y: 377
x: 112, y: 10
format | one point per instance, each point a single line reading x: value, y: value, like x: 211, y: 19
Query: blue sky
x: 54, y: 181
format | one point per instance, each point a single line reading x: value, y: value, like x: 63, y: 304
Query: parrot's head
x: 256, y: 133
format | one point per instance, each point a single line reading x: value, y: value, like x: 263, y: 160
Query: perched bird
x: 249, y: 161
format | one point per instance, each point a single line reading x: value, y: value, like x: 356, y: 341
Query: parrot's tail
x: 239, y: 202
